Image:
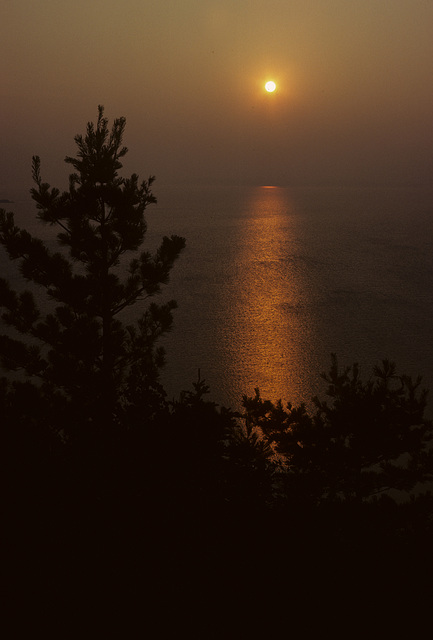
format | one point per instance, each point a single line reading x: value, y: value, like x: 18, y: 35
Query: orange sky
x: 354, y: 101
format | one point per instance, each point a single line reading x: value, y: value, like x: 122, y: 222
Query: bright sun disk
x: 270, y: 86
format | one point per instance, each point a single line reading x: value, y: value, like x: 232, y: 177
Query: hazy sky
x: 354, y: 99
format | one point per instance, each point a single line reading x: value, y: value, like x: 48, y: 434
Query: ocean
x: 275, y: 279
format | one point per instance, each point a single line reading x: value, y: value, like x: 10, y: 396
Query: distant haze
x: 353, y: 104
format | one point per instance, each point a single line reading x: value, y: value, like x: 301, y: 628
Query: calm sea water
x: 273, y: 280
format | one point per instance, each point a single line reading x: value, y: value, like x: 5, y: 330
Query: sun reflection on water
x: 270, y: 339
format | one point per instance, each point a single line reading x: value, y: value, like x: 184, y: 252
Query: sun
x: 270, y: 86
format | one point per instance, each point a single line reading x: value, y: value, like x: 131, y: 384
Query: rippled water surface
x: 275, y: 279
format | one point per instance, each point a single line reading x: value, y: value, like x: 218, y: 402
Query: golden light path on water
x: 246, y: 312
x: 270, y: 340
x: 274, y: 279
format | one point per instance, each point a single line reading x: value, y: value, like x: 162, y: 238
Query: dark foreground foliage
x: 193, y: 504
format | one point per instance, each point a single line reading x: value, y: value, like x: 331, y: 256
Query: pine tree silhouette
x: 87, y: 364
